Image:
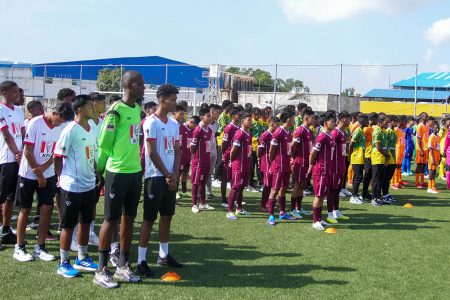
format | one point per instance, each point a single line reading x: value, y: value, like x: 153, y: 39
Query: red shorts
x: 300, y: 173
x: 321, y: 184
x: 199, y: 176
x: 280, y: 180
x: 336, y: 181
x: 226, y: 172
x: 239, y: 180
x: 267, y: 179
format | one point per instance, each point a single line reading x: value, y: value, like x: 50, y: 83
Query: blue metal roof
x: 179, y: 74
x: 407, y: 94
x: 10, y: 64
x: 429, y: 80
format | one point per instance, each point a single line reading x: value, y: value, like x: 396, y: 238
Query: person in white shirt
x: 11, y: 144
x: 75, y: 166
x: 37, y: 174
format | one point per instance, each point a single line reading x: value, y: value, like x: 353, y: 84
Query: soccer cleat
x: 356, y: 200
x: 346, y: 192
x: 231, y: 216
x: 286, y: 216
x: 93, y: 239
x: 65, y: 269
x: 305, y: 212
x: 432, y: 191
x: 205, y: 207
x: 271, y: 220
x: 296, y: 214
x: 324, y: 224
x: 177, y: 197
x: 86, y: 264
x: 376, y: 202
x: 168, y: 261
x: 125, y: 274
x: 332, y: 220
x: 387, y: 199
x: 341, y: 217
x: 242, y: 212
x: 144, y: 270
x: 21, y: 254
x: 114, y: 257
x: 104, y: 279
x: 8, y: 238
x: 195, y: 209
x: 318, y: 226
x: 42, y: 254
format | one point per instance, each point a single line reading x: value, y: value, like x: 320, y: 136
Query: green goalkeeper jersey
x: 119, y: 139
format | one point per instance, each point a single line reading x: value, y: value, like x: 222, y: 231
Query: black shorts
x: 367, y: 164
x: 77, y: 208
x: 8, y: 181
x: 98, y: 188
x: 27, y: 187
x: 158, y: 198
x: 122, y: 194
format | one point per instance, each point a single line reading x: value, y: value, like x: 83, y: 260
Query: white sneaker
x: 342, y: 194
x: 306, y: 192
x: 231, y: 216
x: 177, y: 197
x: 242, y: 212
x: 125, y: 274
x: 205, y: 207
x: 431, y: 191
x: 224, y: 205
x: 42, y: 254
x: 93, y: 239
x: 318, y: 226
x: 346, y: 192
x: 21, y: 254
x: 195, y: 209
x: 216, y: 183
x: 74, y: 245
x: 356, y: 200
x: 104, y: 279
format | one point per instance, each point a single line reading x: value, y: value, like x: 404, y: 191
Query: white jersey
x: 11, y: 119
x: 78, y: 148
x: 96, y: 128
x: 213, y: 144
x: 43, y: 136
x: 166, y: 136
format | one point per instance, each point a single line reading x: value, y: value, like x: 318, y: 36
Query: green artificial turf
x: 387, y: 252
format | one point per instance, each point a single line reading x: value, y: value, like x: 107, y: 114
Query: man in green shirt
x: 119, y: 159
x: 298, y: 118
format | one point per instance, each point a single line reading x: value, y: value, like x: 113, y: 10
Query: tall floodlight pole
x: 340, y: 92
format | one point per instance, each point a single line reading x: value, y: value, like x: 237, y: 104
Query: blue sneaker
x: 287, y: 216
x: 271, y: 220
x: 86, y: 264
x: 65, y: 269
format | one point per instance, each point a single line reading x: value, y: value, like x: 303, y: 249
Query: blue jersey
x: 409, y: 140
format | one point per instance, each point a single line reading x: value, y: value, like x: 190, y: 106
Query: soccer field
x: 387, y: 252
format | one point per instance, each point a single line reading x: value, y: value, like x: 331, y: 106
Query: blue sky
x: 231, y: 32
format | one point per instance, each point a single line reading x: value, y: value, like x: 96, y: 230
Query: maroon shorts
x: 300, y: 173
x: 226, y: 172
x: 280, y: 180
x: 267, y: 179
x: 239, y: 180
x: 336, y: 181
x: 321, y: 184
x: 184, y: 167
x: 199, y: 176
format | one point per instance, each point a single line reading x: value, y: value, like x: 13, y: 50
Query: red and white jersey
x: 241, y: 162
x: 78, y: 148
x: 43, y: 136
x: 303, y: 137
x: 201, y: 139
x: 166, y: 133
x: 340, y: 151
x: 324, y: 145
x: 282, y: 140
x: 264, y: 143
x: 11, y: 119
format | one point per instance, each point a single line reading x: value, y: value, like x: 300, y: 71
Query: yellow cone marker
x: 330, y: 230
x: 408, y: 205
x: 170, y: 277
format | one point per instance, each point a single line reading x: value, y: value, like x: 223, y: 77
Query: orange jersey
x: 433, y: 146
x: 353, y: 126
x: 400, y: 146
x: 422, y: 132
x: 368, y: 132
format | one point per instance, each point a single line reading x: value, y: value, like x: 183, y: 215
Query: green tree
x: 108, y: 80
x: 350, y: 92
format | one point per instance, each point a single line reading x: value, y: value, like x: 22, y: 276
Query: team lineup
x: 77, y: 152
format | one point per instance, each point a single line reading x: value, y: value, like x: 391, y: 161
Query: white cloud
x: 439, y: 32
x: 444, y: 68
x: 333, y: 10
x: 428, y: 55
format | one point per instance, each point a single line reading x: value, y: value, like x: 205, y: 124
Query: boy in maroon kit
x: 264, y: 161
x: 300, y: 151
x: 338, y: 168
x: 227, y: 142
x: 320, y: 162
x: 240, y: 157
x: 280, y: 167
x: 200, y: 149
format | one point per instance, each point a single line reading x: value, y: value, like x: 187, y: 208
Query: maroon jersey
x: 185, y: 144
x: 340, y: 151
x: 227, y: 139
x: 303, y: 137
x: 264, y: 143
x: 281, y: 139
x: 324, y: 145
x: 201, y: 139
x: 241, y: 162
